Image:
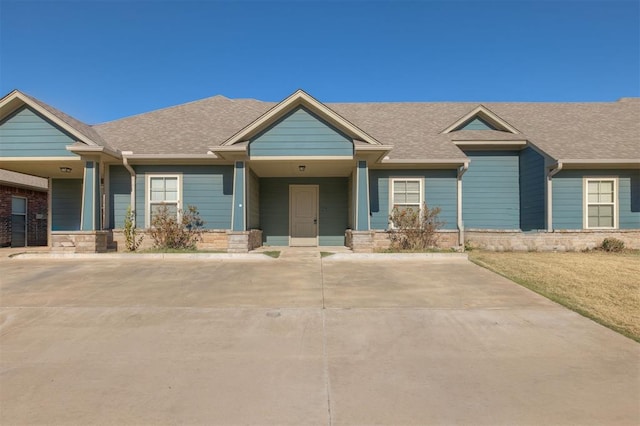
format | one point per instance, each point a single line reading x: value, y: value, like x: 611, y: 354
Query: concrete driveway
x: 299, y: 340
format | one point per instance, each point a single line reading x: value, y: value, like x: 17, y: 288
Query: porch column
x: 238, y: 217
x: 91, y: 199
x: 362, y: 196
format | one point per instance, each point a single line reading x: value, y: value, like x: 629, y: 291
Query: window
x: 405, y: 194
x: 163, y: 191
x: 601, y: 209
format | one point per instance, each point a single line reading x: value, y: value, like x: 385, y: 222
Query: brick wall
x: 36, y: 215
x: 212, y: 239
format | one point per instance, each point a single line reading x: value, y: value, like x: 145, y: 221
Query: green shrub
x: 414, y: 229
x: 612, y: 245
x: 171, y: 232
x: 131, y: 240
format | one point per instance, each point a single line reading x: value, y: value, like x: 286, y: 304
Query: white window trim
x: 392, y: 180
x: 147, y: 194
x: 585, y: 197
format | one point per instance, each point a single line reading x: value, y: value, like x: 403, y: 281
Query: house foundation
x: 79, y: 241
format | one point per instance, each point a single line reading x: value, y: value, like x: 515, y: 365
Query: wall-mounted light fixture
x: 64, y: 169
x: 302, y: 167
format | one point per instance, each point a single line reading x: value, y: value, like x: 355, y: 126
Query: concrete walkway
x: 299, y: 340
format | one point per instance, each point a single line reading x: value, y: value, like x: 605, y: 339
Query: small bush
x: 131, y: 240
x: 170, y: 233
x: 612, y: 245
x: 414, y: 229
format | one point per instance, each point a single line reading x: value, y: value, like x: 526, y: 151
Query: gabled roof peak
x: 297, y: 99
x: 484, y: 114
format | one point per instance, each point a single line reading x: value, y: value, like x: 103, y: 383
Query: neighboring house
x: 23, y: 210
x: 548, y: 176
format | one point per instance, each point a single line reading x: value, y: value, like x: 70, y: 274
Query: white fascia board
x: 18, y: 96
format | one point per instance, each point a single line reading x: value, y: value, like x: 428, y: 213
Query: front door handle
x: 315, y: 221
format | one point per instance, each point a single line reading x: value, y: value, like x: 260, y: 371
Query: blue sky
x: 102, y: 60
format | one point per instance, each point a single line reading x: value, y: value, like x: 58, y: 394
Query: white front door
x: 303, y: 215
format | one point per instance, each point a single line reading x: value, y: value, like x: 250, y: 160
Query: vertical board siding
x: 119, y: 196
x: 568, y: 197
x: 88, y: 197
x: 27, y: 134
x: 362, y: 218
x: 253, y: 199
x: 491, y: 190
x: 209, y: 188
x: 301, y: 133
x: 274, y: 209
x: 66, y: 204
x: 440, y: 189
x: 238, y: 222
x: 532, y: 183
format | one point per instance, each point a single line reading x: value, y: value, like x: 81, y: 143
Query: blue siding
x: 209, y: 188
x: 238, y: 197
x: 253, y: 199
x: 477, y: 124
x: 66, y: 204
x: 301, y: 133
x: 439, y: 191
x: 119, y: 196
x: 568, y: 197
x: 532, y: 182
x: 89, y: 196
x: 274, y: 209
x: 362, y: 218
x: 491, y: 191
x: 27, y: 134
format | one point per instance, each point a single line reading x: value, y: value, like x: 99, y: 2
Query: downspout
x: 125, y: 162
x: 461, y: 171
x: 552, y: 172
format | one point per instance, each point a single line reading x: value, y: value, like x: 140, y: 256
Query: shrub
x: 612, y: 245
x: 169, y: 232
x: 414, y: 229
x: 132, y: 241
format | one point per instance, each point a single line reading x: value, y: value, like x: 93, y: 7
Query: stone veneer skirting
x: 79, y: 241
x: 213, y: 239
x: 574, y: 240
x: 370, y: 241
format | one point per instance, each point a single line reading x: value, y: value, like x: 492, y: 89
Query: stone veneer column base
x: 79, y: 241
x: 360, y: 241
x: 244, y: 241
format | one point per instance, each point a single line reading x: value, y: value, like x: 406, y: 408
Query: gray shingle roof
x: 10, y: 178
x: 77, y: 125
x: 597, y: 131
x: 590, y: 131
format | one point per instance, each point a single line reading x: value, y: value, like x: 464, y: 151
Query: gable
x: 25, y: 133
x: 481, y: 118
x: 477, y: 123
x: 301, y: 133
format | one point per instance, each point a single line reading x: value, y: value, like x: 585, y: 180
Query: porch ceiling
x: 46, y: 168
x: 312, y: 168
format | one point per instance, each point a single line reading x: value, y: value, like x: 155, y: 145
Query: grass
x: 326, y: 253
x: 272, y: 253
x: 602, y: 286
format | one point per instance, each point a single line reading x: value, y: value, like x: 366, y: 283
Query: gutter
x: 125, y: 162
x: 461, y: 171
x: 554, y: 170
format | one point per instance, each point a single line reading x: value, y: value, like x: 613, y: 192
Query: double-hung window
x: 406, y: 193
x: 163, y: 192
x: 601, y: 197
